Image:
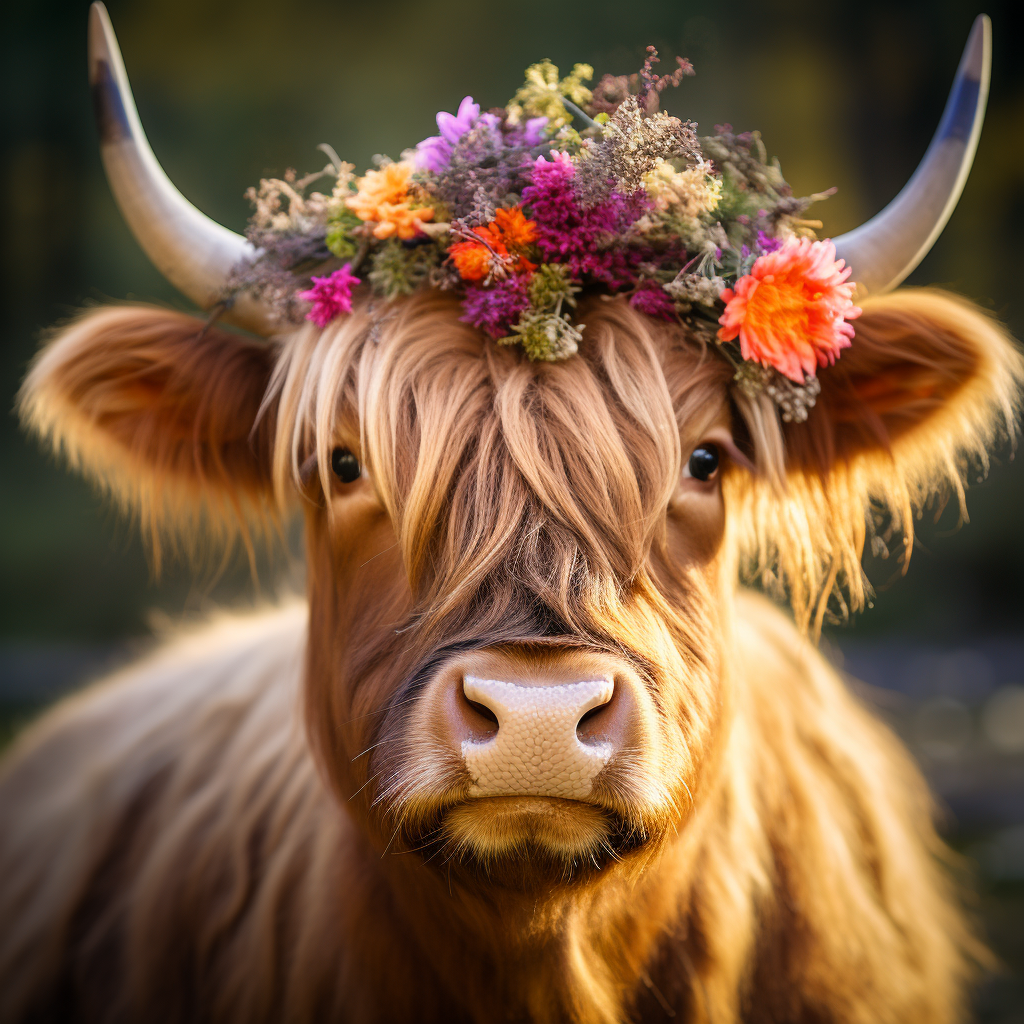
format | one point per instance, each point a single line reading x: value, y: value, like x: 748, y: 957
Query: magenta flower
x: 496, y: 309
x: 765, y: 242
x: 330, y: 296
x: 650, y: 298
x: 581, y: 237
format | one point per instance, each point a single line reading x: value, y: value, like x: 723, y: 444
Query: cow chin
x: 566, y: 833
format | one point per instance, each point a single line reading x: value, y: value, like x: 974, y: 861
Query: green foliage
x: 340, y: 238
x: 552, y: 286
x: 397, y: 270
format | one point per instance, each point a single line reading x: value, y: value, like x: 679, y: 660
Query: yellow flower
x: 690, y: 192
x: 541, y: 95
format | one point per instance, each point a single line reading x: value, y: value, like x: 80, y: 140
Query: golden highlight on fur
x: 265, y: 821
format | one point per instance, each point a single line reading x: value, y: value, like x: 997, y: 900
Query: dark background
x: 844, y: 95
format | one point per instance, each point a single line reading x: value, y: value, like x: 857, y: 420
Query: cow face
x: 521, y: 575
x: 518, y: 603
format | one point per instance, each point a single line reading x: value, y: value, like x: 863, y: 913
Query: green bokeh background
x: 229, y: 91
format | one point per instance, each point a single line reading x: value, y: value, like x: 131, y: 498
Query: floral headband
x: 569, y: 190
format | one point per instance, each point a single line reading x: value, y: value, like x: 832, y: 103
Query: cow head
x: 522, y: 576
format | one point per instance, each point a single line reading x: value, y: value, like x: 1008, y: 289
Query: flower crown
x: 569, y: 190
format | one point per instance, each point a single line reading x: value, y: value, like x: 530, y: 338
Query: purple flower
x: 434, y: 154
x: 454, y: 126
x: 330, y: 296
x: 533, y: 130
x: 766, y: 243
x: 650, y: 298
x: 583, y: 238
x: 496, y: 309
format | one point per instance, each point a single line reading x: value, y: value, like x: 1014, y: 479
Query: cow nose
x: 540, y: 747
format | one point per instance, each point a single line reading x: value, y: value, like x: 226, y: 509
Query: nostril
x: 594, y: 721
x: 483, y: 711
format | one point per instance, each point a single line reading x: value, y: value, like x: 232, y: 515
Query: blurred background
x: 229, y: 91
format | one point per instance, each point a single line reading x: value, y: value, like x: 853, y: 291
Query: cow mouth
x: 569, y: 836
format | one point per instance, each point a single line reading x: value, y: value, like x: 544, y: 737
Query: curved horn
x: 193, y: 252
x: 890, y: 245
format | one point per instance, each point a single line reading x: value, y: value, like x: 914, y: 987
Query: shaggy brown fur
x: 179, y: 846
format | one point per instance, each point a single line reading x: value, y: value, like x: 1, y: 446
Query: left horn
x: 883, y: 251
x: 194, y: 253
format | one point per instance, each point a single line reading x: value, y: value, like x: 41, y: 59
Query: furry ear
x: 928, y: 385
x: 161, y: 412
x: 926, y: 369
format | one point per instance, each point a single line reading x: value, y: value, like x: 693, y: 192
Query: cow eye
x: 345, y: 465
x: 703, y: 464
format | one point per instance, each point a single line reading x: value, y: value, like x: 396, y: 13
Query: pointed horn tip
x: 102, y: 41
x: 978, y: 51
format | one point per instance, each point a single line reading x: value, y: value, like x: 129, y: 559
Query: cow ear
x: 163, y: 412
x: 927, y: 386
x: 928, y: 375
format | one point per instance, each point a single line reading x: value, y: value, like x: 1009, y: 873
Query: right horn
x: 195, y: 253
x: 883, y: 251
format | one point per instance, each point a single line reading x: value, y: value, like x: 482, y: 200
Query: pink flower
x: 791, y: 310
x: 330, y: 296
x: 533, y: 130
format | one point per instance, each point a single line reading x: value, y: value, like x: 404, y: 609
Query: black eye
x: 345, y: 465
x: 704, y: 462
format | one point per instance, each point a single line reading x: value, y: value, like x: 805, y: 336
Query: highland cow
x: 527, y: 751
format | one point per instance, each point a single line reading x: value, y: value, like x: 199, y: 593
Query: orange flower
x: 506, y: 236
x: 791, y: 310
x: 524, y: 266
x: 474, y: 260
x: 389, y: 185
x: 513, y: 228
x: 399, y: 219
x: 383, y: 198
